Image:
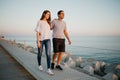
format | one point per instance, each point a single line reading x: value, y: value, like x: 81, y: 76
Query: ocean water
x: 100, y: 48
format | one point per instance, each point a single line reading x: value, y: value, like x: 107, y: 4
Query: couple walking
x: 43, y: 33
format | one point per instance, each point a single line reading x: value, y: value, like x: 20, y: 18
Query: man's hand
x: 69, y: 42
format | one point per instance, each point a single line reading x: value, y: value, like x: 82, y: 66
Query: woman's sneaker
x: 52, y: 66
x: 40, y: 68
x: 50, y: 72
x: 59, y: 67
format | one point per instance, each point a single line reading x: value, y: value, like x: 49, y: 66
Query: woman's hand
x: 38, y: 44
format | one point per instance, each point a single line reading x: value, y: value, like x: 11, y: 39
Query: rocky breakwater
x: 99, y: 69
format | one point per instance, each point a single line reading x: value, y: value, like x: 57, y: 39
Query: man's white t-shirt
x: 58, y: 28
x: 44, y: 28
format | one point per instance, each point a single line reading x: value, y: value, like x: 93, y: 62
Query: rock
x: 117, y: 71
x: 91, y: 62
x: 110, y: 76
x: 83, y: 64
x: 68, y: 53
x: 110, y: 68
x: 34, y: 50
x: 66, y: 59
x: 70, y: 63
x: 66, y: 56
x: 115, y: 77
x: 102, y: 64
x: 65, y: 65
x: 20, y: 46
x: 78, y: 61
x: 29, y: 48
x: 118, y: 66
x: 102, y: 69
x: 97, y: 66
x: 98, y: 70
x: 89, y: 69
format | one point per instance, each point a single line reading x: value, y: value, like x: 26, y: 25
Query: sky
x: 83, y: 17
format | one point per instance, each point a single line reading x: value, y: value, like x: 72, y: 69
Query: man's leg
x: 53, y: 60
x: 59, y: 58
x: 61, y: 50
x: 55, y: 49
x: 54, y: 57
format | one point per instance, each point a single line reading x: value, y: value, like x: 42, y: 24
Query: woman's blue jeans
x: 47, y: 44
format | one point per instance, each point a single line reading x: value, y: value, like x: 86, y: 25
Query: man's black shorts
x: 58, y: 45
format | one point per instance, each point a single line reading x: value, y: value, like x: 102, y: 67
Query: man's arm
x: 67, y: 36
x: 52, y: 25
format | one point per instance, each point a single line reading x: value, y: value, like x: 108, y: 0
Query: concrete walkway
x: 29, y: 61
x: 10, y: 69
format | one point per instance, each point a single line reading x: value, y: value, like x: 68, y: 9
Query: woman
x: 43, y: 34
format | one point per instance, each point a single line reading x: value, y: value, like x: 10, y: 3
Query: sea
x: 100, y: 48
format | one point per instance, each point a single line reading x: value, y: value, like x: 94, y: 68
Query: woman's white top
x: 44, y: 28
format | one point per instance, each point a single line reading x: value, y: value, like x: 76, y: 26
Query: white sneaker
x: 40, y: 68
x: 50, y: 72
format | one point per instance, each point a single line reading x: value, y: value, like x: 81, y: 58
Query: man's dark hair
x: 59, y: 12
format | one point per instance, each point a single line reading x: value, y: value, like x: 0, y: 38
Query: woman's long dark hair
x: 43, y: 16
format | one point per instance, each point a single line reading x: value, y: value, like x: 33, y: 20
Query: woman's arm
x: 38, y: 39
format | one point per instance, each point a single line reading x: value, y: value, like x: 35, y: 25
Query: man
x: 59, y: 34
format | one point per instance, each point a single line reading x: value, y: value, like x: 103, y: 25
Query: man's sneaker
x: 50, y: 72
x: 59, y: 67
x: 40, y: 68
x: 52, y: 66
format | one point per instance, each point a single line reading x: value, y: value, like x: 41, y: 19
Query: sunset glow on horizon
x: 83, y: 17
